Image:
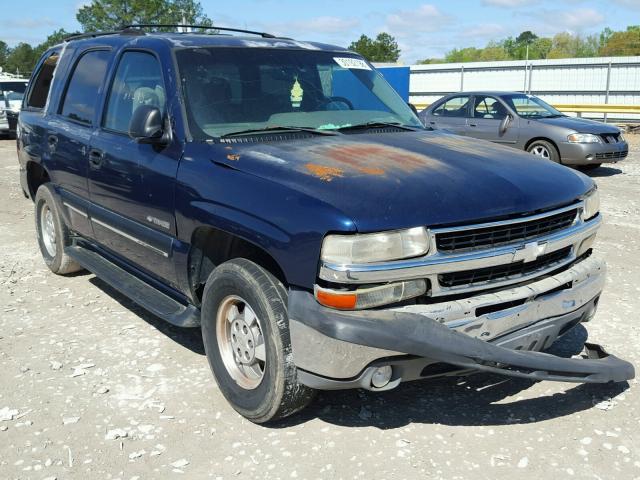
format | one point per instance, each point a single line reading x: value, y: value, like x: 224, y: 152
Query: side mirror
x: 146, y: 125
x: 504, y: 124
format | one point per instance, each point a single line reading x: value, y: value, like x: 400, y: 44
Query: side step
x: 142, y: 293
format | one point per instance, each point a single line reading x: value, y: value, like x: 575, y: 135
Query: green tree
x: 622, y: 43
x: 101, y: 15
x: 4, y: 53
x: 383, y: 48
x: 21, y: 59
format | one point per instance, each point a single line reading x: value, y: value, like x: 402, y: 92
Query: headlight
x: 375, y: 247
x: 591, y: 205
x: 583, y: 138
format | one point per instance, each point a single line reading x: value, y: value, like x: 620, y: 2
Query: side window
x: 39, y: 91
x: 81, y: 97
x: 489, y: 107
x: 138, y: 81
x: 454, y: 107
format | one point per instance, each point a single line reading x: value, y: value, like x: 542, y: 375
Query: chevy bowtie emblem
x: 530, y: 252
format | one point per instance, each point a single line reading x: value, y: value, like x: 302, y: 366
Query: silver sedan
x: 528, y: 123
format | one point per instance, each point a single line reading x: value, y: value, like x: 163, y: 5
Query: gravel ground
x: 91, y: 386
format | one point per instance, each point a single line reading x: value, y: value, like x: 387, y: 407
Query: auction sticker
x: 354, y: 63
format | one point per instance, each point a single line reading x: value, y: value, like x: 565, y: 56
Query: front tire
x: 245, y: 330
x: 53, y: 234
x: 544, y: 149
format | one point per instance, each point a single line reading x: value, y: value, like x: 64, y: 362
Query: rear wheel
x: 245, y: 330
x: 544, y: 149
x: 53, y: 234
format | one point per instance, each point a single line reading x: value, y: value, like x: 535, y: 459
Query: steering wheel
x: 329, y: 100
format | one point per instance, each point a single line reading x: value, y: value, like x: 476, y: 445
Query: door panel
x: 488, y: 113
x: 451, y: 115
x: 132, y: 184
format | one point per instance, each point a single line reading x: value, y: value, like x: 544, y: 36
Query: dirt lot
x: 91, y: 386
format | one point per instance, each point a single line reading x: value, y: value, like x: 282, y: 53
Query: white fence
x: 602, y: 80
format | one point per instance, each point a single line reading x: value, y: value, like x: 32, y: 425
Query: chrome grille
x: 503, y: 234
x: 611, y: 155
x: 503, y: 272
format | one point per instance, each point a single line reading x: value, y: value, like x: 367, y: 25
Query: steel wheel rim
x: 540, y: 151
x: 48, y: 230
x: 241, y: 342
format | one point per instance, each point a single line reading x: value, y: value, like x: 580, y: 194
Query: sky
x: 422, y: 29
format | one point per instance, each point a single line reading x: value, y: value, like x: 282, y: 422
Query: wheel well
x: 36, y: 176
x: 210, y: 247
x: 526, y: 147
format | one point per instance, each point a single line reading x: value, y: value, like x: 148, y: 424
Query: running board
x: 139, y: 291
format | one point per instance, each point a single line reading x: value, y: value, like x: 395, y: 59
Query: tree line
x: 105, y: 15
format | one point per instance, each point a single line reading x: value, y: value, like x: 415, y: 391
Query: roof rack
x: 123, y: 31
x: 200, y: 27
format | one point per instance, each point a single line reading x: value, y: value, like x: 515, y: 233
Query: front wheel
x: 245, y: 329
x: 544, y: 149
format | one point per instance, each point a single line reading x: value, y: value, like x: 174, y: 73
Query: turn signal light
x: 370, y: 297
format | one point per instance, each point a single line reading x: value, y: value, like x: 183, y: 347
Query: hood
x: 395, y: 180
x: 580, y: 125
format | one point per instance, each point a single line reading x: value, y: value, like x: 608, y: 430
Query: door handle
x: 432, y: 123
x: 96, y: 157
x: 473, y: 124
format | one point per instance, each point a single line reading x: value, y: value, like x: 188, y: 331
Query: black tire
x: 278, y: 394
x: 58, y: 262
x: 540, y: 146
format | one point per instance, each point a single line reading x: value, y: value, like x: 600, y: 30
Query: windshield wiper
x: 282, y: 129
x: 365, y: 126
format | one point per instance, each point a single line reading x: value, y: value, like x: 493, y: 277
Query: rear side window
x: 454, y: 107
x: 42, y: 82
x: 138, y: 82
x: 81, y: 98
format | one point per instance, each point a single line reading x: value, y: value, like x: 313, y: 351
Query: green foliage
x: 561, y: 45
x: 101, y: 15
x: 383, y: 48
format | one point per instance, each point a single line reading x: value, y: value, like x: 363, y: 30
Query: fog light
x: 381, y: 376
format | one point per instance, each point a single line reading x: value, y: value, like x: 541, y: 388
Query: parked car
x: 528, y: 123
x: 282, y: 196
x: 11, y: 93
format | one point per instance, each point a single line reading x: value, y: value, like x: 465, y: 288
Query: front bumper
x: 590, y: 153
x: 334, y: 349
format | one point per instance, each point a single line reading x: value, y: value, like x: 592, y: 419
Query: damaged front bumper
x: 498, y: 332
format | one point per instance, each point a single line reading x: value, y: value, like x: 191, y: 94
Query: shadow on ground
x: 480, y: 399
x: 603, y: 172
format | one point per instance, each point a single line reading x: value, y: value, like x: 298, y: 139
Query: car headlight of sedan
x: 375, y: 247
x: 591, y: 205
x: 583, y: 138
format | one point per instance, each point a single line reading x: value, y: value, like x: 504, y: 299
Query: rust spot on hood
x: 367, y: 159
x: 323, y: 172
x: 234, y: 157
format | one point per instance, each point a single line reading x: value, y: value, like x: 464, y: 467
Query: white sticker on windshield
x: 350, y: 62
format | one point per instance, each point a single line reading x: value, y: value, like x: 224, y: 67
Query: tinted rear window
x: 82, y: 92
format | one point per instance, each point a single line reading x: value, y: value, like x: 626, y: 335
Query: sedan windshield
x: 236, y: 90
x: 11, y: 94
x: 529, y: 106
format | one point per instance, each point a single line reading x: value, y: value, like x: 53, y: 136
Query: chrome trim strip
x: 575, y: 206
x: 75, y: 209
x: 130, y: 237
x: 430, y: 265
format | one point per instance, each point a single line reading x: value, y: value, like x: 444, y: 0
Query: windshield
x: 529, y: 106
x: 11, y: 94
x: 229, y: 90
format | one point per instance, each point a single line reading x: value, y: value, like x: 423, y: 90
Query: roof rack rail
x: 80, y: 36
x: 201, y: 27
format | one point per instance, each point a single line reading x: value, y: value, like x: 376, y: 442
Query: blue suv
x: 283, y: 197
